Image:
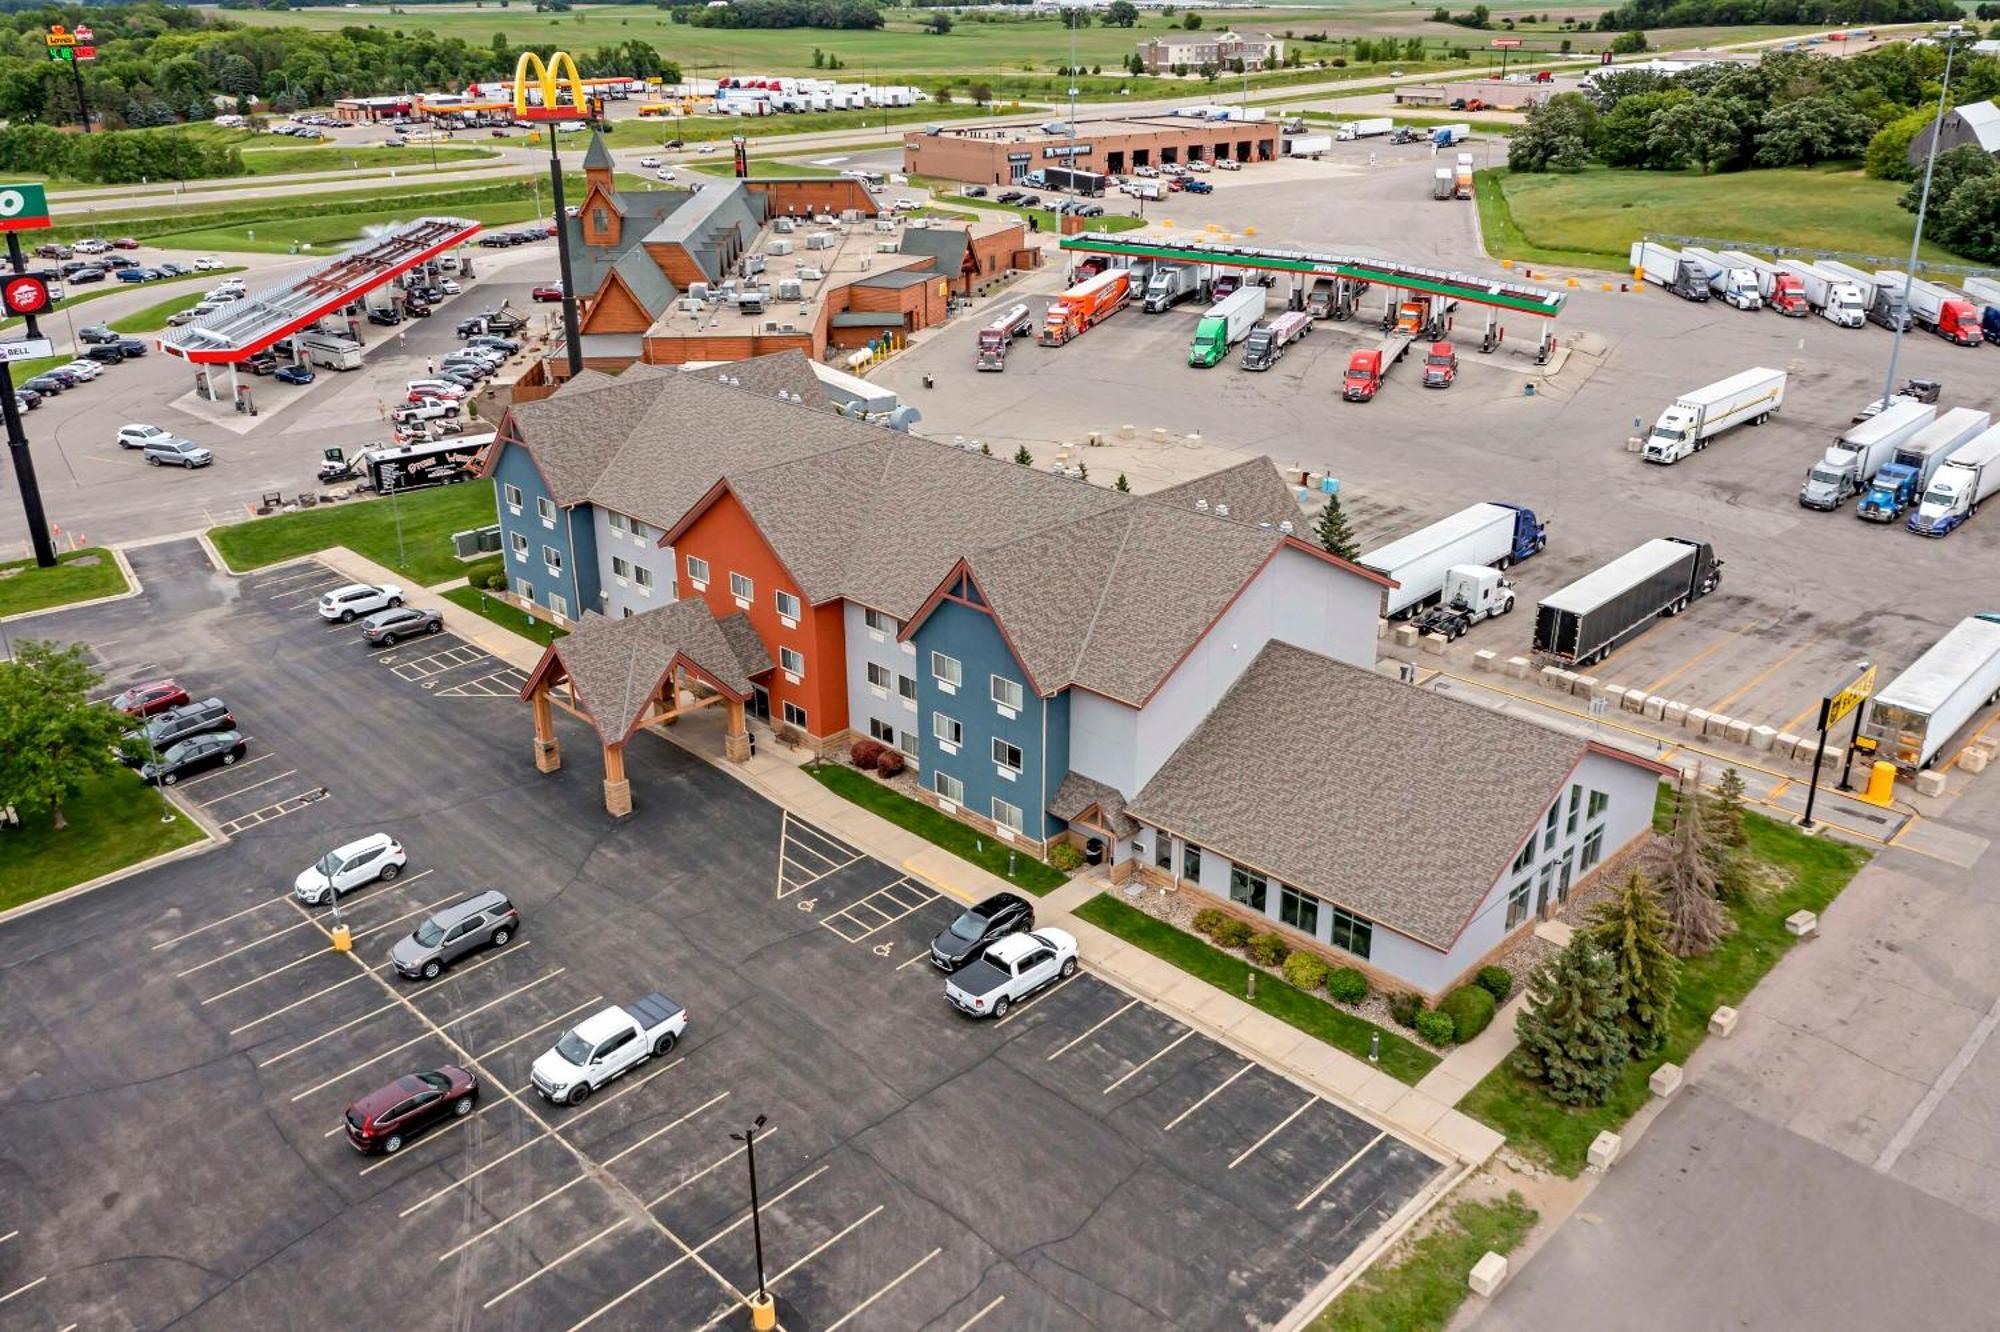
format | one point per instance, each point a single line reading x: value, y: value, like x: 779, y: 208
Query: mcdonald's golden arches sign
x: 548, y: 79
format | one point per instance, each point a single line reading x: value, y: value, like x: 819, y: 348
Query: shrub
x: 865, y: 753
x: 1269, y: 949
x: 496, y: 582
x: 1305, y: 971
x: 890, y: 764
x: 1065, y: 857
x: 1210, y: 920
x: 1435, y: 1027
x: 1232, y: 933
x: 1405, y: 1008
x: 1496, y: 981
x: 1470, y: 1008
x: 1349, y: 986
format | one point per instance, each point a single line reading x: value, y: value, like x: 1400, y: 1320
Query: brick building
x: 1112, y: 147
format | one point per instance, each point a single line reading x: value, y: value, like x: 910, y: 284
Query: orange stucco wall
x: 726, y: 537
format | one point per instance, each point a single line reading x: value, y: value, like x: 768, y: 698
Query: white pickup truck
x: 606, y: 1044
x: 430, y: 409
x: 1013, y: 968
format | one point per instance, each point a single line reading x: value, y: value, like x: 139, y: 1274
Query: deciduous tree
x: 52, y: 738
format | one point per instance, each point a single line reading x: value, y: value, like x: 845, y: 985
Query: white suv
x: 356, y: 599
x: 343, y: 869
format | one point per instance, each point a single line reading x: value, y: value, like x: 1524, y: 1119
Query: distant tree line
x: 1637, y: 14
x: 836, y: 14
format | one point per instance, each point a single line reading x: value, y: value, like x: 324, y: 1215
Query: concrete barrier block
x: 1585, y: 686
x: 1717, y: 725
x: 1518, y: 667
x: 1697, y: 720
x: 1807, y: 745
x: 1159, y: 434
x: 1974, y: 758
x: 1930, y: 783
x: 1485, y: 659
x: 1435, y: 644
x: 1405, y: 635
x: 1722, y: 1022
x: 1763, y: 737
x: 1666, y: 1080
x: 1834, y: 754
x: 1613, y: 696
x: 1656, y: 707
x: 1739, y: 732
x: 1785, y: 745
x: 1634, y: 700
x: 1674, y: 714
x: 1604, y: 1151
x: 1488, y: 1275
x: 1552, y: 677
x: 1802, y: 923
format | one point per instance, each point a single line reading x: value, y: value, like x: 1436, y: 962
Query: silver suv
x: 482, y: 920
x: 182, y: 452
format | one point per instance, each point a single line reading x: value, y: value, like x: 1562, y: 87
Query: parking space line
x: 231, y: 795
x: 9, y: 1235
x: 275, y: 971
x: 291, y: 804
x: 1034, y: 999
x: 240, y: 948
x: 1211, y: 1095
x: 920, y: 957
x: 556, y: 1262
x: 817, y: 1250
x: 721, y: 1160
x: 223, y: 772
x: 709, y: 1104
x: 430, y: 1137
x: 1345, y: 1166
x: 325, y: 1035
x: 560, y: 1017
x: 203, y: 929
x: 238, y: 1031
x: 908, y: 1272
x: 998, y: 1300
x: 418, y: 1040
x: 300, y: 577
x: 867, y: 903
x: 1149, y: 1059
x: 1091, y: 1030
x: 1764, y: 674
x: 1251, y: 1150
x: 393, y: 920
x: 22, y: 1290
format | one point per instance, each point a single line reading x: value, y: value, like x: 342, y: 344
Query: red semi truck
x: 1089, y: 302
x: 997, y: 336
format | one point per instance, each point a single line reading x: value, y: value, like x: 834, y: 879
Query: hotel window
x: 882, y: 731
x: 643, y: 532
x: 1352, y: 932
x: 742, y: 588
x: 520, y: 547
x: 524, y: 590
x: 617, y: 521
x: 906, y: 685
x: 1007, y: 693
x: 1163, y: 851
x: 946, y: 730
x: 948, y: 786
x: 788, y: 605
x: 513, y: 493
x: 1300, y: 910
x: 946, y: 670
x: 552, y: 558
x: 792, y: 660
x: 1599, y: 801
x: 697, y: 571
x: 620, y: 568
x: 1006, y: 815
x: 1246, y: 886
x: 1517, y: 904
x: 642, y: 576
x: 880, y: 623
x: 1191, y: 862
x: 880, y: 676
x: 1575, y: 806
x: 1526, y: 858
x: 795, y: 715
x: 907, y: 742
x: 1005, y: 755
x: 1549, y: 826
x: 546, y: 510
x: 1593, y: 847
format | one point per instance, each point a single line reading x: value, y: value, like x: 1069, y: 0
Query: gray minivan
x: 482, y: 920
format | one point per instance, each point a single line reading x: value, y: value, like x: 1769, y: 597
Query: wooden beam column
x: 736, y: 742
x: 548, y: 755
x: 617, y: 791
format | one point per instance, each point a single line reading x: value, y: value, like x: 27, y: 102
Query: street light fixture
x: 763, y: 1313
x: 1952, y: 38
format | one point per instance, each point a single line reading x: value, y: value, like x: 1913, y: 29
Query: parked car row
x: 160, y: 447
x: 177, y: 736
x: 115, y: 350
x: 500, y: 240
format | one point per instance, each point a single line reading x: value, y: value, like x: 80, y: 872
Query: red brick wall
x: 832, y: 194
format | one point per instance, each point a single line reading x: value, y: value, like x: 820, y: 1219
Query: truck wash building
x: 1110, y: 147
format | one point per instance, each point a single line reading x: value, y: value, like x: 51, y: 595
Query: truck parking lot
x: 181, y: 1045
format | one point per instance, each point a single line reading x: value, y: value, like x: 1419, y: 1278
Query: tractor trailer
x: 1270, y: 337
x: 1834, y: 298
x: 1090, y: 302
x: 998, y: 335
x: 1443, y: 184
x: 1582, y: 624
x: 1960, y: 486
x: 1169, y: 285
x: 1987, y: 293
x: 1497, y: 535
x: 1781, y: 291
x: 1694, y: 419
x: 1364, y: 129
x: 1937, y: 309
x: 1853, y: 460
x: 1670, y: 269
x: 1903, y: 479
x: 1737, y: 285
x: 1227, y: 323
x: 1917, y: 712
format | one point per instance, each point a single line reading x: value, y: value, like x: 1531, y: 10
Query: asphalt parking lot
x: 179, y: 1048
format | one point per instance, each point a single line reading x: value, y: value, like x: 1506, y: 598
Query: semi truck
x: 1694, y: 419
x: 1462, y: 176
x: 1168, y: 285
x: 1737, y: 285
x: 1830, y: 296
x: 1959, y: 487
x: 1364, y: 129
x: 1472, y: 592
x: 1899, y: 482
x: 1226, y: 323
x: 1444, y: 136
x: 1268, y: 340
x: 1089, y: 183
x: 1581, y: 624
x: 998, y: 335
x: 1495, y: 535
x: 1913, y: 715
x: 1088, y: 303
x: 1852, y: 460
x: 1670, y: 269
x: 1781, y: 291
x: 1938, y: 309
x: 1444, y: 183
x: 1440, y: 365
x: 1308, y: 145
x: 1319, y: 298
x: 1987, y: 293
x: 1881, y: 301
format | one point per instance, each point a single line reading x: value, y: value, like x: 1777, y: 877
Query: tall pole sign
x: 24, y: 208
x: 1834, y: 708
x: 547, y: 80
x: 73, y: 47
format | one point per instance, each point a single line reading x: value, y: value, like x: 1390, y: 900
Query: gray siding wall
x: 639, y: 547
x: 867, y: 646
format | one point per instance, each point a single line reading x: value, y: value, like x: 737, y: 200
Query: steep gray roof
x: 1078, y: 793
x: 647, y: 282
x: 704, y: 224
x: 616, y: 665
x: 945, y: 246
x: 641, y: 211
x: 1252, y: 489
x: 597, y: 157
x: 769, y: 375
x: 1402, y: 805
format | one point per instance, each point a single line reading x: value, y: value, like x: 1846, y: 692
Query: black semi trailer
x: 1581, y: 624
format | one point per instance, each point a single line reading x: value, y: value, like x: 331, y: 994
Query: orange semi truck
x: 1089, y: 302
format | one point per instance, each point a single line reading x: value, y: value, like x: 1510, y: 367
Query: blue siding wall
x: 1040, y: 729
x: 573, y: 536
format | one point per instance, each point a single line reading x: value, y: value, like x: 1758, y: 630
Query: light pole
x: 572, y: 339
x: 763, y: 1313
x: 1952, y: 36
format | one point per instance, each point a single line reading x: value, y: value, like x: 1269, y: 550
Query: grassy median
x: 1423, y: 1287
x: 113, y: 822
x: 424, y: 553
x: 961, y: 839
x: 78, y: 575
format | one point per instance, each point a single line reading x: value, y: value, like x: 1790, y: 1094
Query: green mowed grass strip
x: 113, y: 287
x: 78, y: 575
x: 1400, y: 1058
x: 1815, y: 871
x: 368, y: 527
x: 262, y: 161
x: 961, y: 839
x: 506, y: 616
x: 113, y: 822
x: 1424, y: 1287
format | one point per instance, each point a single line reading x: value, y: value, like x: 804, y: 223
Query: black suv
x: 387, y: 318
x: 169, y: 728
x: 966, y: 938
x: 132, y: 346
x: 97, y: 333
x: 109, y: 353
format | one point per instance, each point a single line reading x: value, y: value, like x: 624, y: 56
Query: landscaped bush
x: 1269, y: 949
x: 1305, y: 971
x: 891, y: 763
x: 1404, y: 1006
x: 1232, y: 933
x: 1209, y: 921
x: 1065, y: 857
x: 496, y: 581
x: 1348, y: 985
x: 865, y: 753
x: 1470, y: 1008
x: 1435, y: 1027
x: 1496, y: 981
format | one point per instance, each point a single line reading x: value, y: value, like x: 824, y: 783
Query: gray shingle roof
x: 771, y: 374
x: 616, y: 665
x: 1078, y: 793
x: 597, y: 157
x: 898, y: 280
x: 1402, y: 805
x: 946, y: 246
x: 641, y: 211
x: 1252, y: 489
x: 647, y: 282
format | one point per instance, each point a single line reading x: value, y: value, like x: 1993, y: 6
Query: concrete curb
x: 133, y: 588
x: 211, y: 839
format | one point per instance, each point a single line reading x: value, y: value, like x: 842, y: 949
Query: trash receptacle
x: 1093, y: 851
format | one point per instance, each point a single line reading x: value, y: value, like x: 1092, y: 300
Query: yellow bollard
x: 1249, y: 231
x: 1569, y: 282
x: 763, y: 1313
x: 1605, y: 285
x: 1881, y: 783
x: 343, y: 939
x: 1506, y: 263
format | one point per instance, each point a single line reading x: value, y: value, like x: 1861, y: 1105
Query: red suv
x: 386, y: 1119
x: 146, y: 699
x: 551, y: 292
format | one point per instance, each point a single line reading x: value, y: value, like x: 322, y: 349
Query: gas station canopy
x: 243, y: 328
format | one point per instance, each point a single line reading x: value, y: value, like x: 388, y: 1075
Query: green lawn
x: 506, y: 616
x: 79, y: 575
x: 635, y: 132
x: 113, y: 822
x: 1590, y: 219
x: 1815, y: 869
x: 961, y: 839
x: 368, y: 527
x: 1422, y: 1290
x: 1400, y: 1058
x: 274, y: 160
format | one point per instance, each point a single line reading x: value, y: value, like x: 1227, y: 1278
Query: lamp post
x: 763, y: 1313
x: 1952, y: 36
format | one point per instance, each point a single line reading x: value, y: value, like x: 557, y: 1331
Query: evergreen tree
x: 1332, y: 533
x: 1572, y: 1042
x: 1023, y: 457
x: 1123, y: 486
x: 1631, y: 927
x: 1686, y: 873
x: 1727, y: 809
